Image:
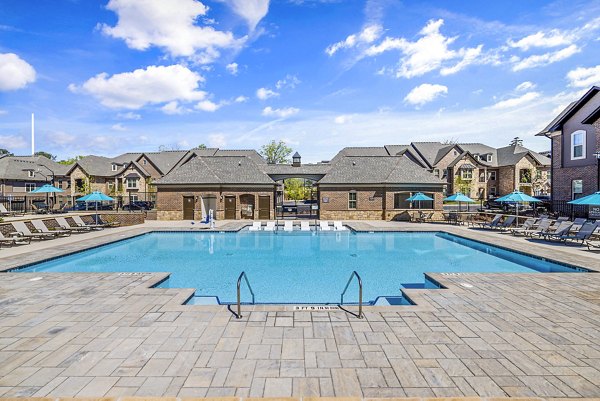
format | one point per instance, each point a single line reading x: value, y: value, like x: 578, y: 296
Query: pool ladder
x: 360, y: 293
x: 243, y: 275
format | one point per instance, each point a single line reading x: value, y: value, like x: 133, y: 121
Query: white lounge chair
x: 64, y: 224
x: 288, y: 225
x: 324, y: 225
x: 22, y: 229
x: 79, y: 221
x: 42, y: 228
x: 304, y: 226
x: 255, y: 226
x: 270, y: 226
x: 338, y: 226
x: 14, y: 239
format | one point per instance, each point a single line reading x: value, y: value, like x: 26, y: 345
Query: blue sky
x: 104, y: 77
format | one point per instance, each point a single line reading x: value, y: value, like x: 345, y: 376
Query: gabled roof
x: 164, y: 160
x: 17, y: 167
x: 219, y: 170
x: 592, y: 118
x: 557, y: 123
x: 98, y: 166
x: 429, y: 151
x: 512, y: 154
x: 378, y: 170
x: 251, y: 153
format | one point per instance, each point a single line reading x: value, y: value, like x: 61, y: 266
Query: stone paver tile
x: 485, y: 387
x: 99, y: 386
x: 345, y: 383
x: 305, y: 387
x: 241, y: 372
x: 277, y: 387
x: 292, y: 348
x: 408, y: 374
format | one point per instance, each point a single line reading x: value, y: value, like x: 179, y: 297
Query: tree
x: 5, y: 152
x: 71, y: 160
x: 201, y: 146
x: 276, y: 152
x: 45, y: 154
x: 295, y: 189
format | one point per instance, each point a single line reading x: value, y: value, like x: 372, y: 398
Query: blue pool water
x: 297, y: 267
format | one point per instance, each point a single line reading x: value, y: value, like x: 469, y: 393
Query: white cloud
x: 169, y: 25
x: 2, y: 112
x: 15, y: 73
x: 265, y: 93
x: 290, y: 81
x: 153, y: 85
x: 544, y: 59
x: 429, y: 53
x: 553, y: 38
x: 584, y: 77
x: 517, y: 101
x: 232, y: 68
x: 207, y: 105
x: 60, y: 138
x: 342, y: 119
x: 118, y: 127
x: 12, y: 142
x: 217, y: 141
x: 173, y: 108
x: 241, y: 99
x: 129, y: 116
x: 525, y: 86
x: 425, y: 93
x: 281, y: 113
x: 252, y: 11
x: 368, y: 35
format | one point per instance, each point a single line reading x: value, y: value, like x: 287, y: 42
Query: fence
x: 563, y: 208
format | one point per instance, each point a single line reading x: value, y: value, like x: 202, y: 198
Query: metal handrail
x: 239, y: 282
x: 360, y: 292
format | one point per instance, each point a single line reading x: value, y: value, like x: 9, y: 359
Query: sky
x: 109, y: 76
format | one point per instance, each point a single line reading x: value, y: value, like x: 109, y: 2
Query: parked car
x: 139, y: 205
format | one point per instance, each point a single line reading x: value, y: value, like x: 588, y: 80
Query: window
x: 489, y: 158
x: 144, y: 162
x: 132, y: 183
x: 445, y: 173
x: 482, y: 176
x: 29, y: 187
x: 30, y: 173
x: 576, y: 188
x: 436, y: 172
x: 492, y: 176
x: 466, y: 174
x: 538, y: 174
x: 578, y: 145
x: 525, y: 176
x: 352, y: 200
x: 492, y: 191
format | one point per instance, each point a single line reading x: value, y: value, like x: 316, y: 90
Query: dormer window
x: 30, y: 173
x: 578, y: 145
x: 144, y: 162
x: 489, y: 158
x: 114, y: 167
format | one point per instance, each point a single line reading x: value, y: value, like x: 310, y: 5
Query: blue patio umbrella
x: 419, y: 196
x: 517, y: 197
x: 593, y: 199
x: 459, y: 197
x: 46, y: 189
x: 95, y: 196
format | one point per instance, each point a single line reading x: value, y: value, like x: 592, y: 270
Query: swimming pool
x: 297, y: 267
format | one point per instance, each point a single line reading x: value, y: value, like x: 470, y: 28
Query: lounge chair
x: 527, y: 225
x: 495, y: 221
x: 578, y: 223
x: 584, y: 233
x: 324, y: 225
x: 304, y: 226
x: 5, y: 213
x: 270, y: 226
x: 99, y: 219
x: 39, y: 209
x: 543, y: 227
x: 42, y: 228
x: 557, y: 222
x: 255, y: 226
x: 59, y: 208
x: 288, y: 225
x: 14, y: 239
x: 423, y: 217
x: 79, y: 221
x: 593, y: 244
x: 506, y: 224
x: 64, y: 224
x: 338, y: 226
x: 562, y: 229
x: 22, y: 229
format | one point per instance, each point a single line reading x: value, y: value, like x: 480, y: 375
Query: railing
x: 239, y: 303
x: 360, y: 292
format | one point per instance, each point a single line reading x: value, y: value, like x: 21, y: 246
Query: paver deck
x: 486, y: 335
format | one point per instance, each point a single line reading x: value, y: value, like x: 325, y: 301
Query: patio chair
x: 422, y: 218
x: 593, y: 244
x: 557, y: 222
x: 562, y: 229
x: 288, y: 225
x: 543, y: 227
x: 324, y: 225
x: 270, y: 226
x: 304, y: 226
x: 495, y: 221
x: 15, y: 239
x: 584, y: 233
x: 79, y: 221
x: 38, y: 209
x: 578, y: 223
x: 64, y: 224
x: 338, y: 226
x: 58, y: 208
x: 506, y: 224
x: 22, y: 229
x: 42, y: 228
x: 526, y: 226
x: 99, y: 219
x: 255, y: 226
x: 5, y: 213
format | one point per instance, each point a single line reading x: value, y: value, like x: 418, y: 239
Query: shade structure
x: 418, y: 197
x: 95, y: 196
x: 460, y: 198
x: 517, y: 197
x: 593, y: 199
x: 46, y: 189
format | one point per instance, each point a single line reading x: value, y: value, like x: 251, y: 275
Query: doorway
x: 247, y: 206
x: 230, y: 207
x: 264, y: 207
x: 188, y: 208
x: 210, y: 203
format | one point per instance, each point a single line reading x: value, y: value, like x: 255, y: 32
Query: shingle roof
x: 217, y: 170
x: 569, y: 111
x: 510, y: 155
x: 306, y: 169
x: 16, y: 168
x: 99, y: 166
x: 251, y: 153
x: 164, y: 160
x: 378, y: 170
x: 429, y: 150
